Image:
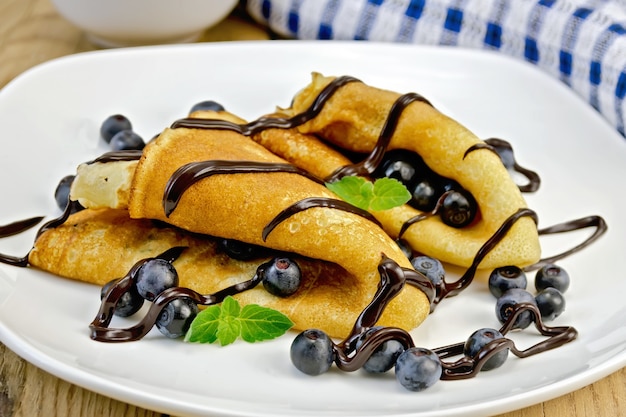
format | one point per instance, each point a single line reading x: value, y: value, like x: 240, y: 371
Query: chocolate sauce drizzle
x: 116, y: 156
x: 100, y: 329
x: 70, y: 207
x: 312, y: 202
x: 423, y: 216
x: 368, y: 165
x: 454, y: 288
x: 23, y: 225
x: 468, y: 367
x: 534, y: 181
x: 19, y: 226
x: 349, y: 357
x: 264, y: 123
x: 14, y: 229
x: 187, y: 175
x: 597, y: 222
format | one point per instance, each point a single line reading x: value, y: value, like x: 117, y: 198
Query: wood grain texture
x: 31, y: 32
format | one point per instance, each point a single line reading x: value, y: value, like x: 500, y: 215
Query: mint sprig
x: 383, y: 194
x: 226, y: 322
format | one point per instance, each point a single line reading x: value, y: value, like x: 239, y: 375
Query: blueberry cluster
x: 416, y: 368
x: 117, y: 131
x: 150, y: 279
x: 508, y: 284
x: 429, y: 190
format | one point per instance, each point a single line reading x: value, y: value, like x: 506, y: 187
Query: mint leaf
x: 229, y: 327
x: 383, y: 194
x: 388, y: 193
x: 261, y: 323
x: 204, y: 327
x: 226, y: 322
x: 352, y: 190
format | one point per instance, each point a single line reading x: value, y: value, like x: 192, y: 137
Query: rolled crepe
x: 98, y: 245
x: 239, y: 206
x: 352, y: 119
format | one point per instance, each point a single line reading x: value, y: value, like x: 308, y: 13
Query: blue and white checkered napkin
x: 580, y: 42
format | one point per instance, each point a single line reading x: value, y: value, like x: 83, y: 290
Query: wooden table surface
x: 31, y: 32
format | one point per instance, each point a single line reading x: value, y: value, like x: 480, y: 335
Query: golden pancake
x: 240, y: 205
x: 352, y: 118
x: 98, y: 245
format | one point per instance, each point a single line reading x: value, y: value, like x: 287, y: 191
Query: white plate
x: 50, y: 118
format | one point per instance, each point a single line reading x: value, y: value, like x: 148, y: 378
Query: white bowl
x: 113, y: 23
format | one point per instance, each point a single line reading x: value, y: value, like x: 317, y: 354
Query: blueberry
x: 505, y: 306
x: 402, y: 165
x: 155, y: 276
x: 551, y: 303
x: 552, y: 276
x: 418, y: 369
x: 62, y: 194
x: 431, y: 267
x: 128, y: 304
x: 478, y: 340
x: 506, y: 277
x: 400, y: 170
x: 424, y: 194
x: 384, y: 356
x: 176, y: 317
x: 207, y: 105
x: 240, y: 250
x: 458, y: 208
x: 282, y: 277
x: 126, y: 140
x: 112, y: 125
x: 312, y: 352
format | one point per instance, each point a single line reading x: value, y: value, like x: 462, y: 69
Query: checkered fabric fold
x: 580, y: 42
